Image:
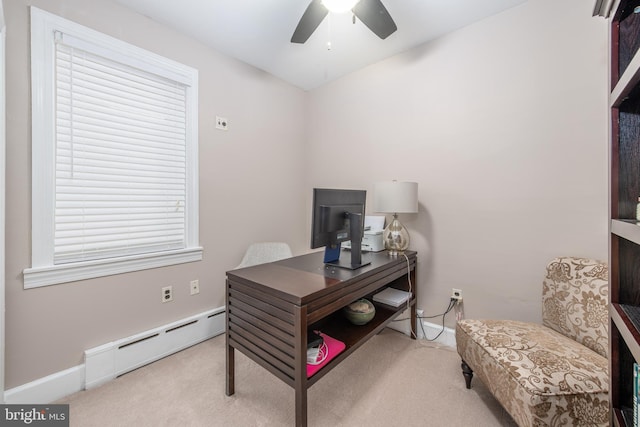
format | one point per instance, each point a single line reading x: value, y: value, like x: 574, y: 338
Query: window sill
x: 52, y: 275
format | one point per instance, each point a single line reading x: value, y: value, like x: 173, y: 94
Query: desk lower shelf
x: 354, y: 336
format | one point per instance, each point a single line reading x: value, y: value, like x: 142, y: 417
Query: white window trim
x: 43, y: 272
x: 3, y: 145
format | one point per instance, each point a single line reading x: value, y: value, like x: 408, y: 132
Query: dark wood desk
x: 271, y: 306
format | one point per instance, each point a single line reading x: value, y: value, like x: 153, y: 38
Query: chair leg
x: 467, y: 372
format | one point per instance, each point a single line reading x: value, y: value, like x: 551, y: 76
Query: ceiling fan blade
x: 374, y: 15
x: 310, y: 20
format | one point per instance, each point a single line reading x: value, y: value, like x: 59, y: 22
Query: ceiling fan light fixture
x: 339, y: 6
x: 371, y: 13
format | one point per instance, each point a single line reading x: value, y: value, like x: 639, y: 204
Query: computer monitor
x: 338, y: 216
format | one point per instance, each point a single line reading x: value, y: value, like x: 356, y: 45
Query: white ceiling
x: 258, y: 32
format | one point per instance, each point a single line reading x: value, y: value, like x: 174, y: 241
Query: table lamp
x: 395, y: 197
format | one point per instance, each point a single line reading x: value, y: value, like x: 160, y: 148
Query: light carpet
x: 391, y: 380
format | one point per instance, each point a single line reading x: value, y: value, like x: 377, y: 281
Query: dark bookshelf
x: 624, y: 254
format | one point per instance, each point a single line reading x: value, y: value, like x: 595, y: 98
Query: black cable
x: 452, y: 303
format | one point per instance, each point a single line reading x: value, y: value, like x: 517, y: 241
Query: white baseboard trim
x: 446, y: 338
x: 110, y: 360
x: 48, y: 389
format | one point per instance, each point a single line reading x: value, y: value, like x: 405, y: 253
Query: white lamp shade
x: 395, y: 197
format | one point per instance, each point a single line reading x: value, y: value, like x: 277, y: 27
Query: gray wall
x: 503, y: 124
x: 250, y: 190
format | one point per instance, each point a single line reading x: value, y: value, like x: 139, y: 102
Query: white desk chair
x: 260, y: 253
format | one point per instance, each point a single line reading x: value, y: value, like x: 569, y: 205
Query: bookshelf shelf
x: 627, y: 229
x: 627, y: 326
x: 627, y: 82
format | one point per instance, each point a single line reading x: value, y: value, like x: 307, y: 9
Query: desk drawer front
x: 336, y: 300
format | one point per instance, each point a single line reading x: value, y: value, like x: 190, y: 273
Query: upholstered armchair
x: 550, y: 374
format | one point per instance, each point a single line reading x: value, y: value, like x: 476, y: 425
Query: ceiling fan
x: 372, y: 13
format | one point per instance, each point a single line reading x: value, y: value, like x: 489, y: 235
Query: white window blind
x: 120, y: 185
x: 114, y: 156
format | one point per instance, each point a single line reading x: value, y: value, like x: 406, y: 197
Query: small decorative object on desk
x: 638, y: 210
x: 360, y: 312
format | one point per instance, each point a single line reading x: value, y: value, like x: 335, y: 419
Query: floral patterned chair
x: 554, y: 374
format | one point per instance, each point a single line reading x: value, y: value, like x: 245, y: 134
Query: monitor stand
x: 332, y: 254
x: 347, y: 264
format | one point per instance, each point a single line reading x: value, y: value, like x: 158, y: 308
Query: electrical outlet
x: 456, y: 294
x: 222, y: 123
x: 195, y: 287
x: 167, y: 294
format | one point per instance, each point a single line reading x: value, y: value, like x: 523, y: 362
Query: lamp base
x: 396, y: 237
x: 394, y: 254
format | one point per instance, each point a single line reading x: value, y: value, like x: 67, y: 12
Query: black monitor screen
x: 336, y: 215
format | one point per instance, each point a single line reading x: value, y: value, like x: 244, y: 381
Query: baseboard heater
x: 113, y: 359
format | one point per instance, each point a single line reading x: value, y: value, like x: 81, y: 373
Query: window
x: 114, y: 156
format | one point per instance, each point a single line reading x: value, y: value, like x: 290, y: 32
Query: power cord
x: 459, y: 310
x: 413, y: 333
x: 408, y: 273
x: 317, y: 355
x: 452, y: 304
